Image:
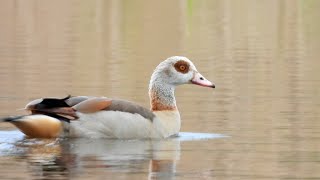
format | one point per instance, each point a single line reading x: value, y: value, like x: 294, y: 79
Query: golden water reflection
x: 262, y: 55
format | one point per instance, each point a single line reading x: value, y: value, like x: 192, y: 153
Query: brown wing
x: 92, y: 105
x: 73, y: 100
x: 67, y: 107
x: 130, y: 107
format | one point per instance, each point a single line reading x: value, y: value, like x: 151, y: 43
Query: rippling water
x: 262, y: 119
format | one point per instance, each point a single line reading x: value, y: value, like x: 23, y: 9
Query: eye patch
x: 182, y: 66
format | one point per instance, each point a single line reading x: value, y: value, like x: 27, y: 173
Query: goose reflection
x: 91, y: 158
x: 88, y: 158
x: 155, y: 158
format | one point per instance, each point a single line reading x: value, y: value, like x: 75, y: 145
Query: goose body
x: 102, y: 117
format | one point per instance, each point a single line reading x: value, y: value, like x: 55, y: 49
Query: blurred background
x: 262, y: 55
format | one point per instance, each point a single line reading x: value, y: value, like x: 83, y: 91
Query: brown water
x: 262, y: 55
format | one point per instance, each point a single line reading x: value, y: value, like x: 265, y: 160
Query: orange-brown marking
x: 93, y: 105
x: 40, y: 128
x: 161, y: 165
x: 182, y: 66
x: 157, y: 105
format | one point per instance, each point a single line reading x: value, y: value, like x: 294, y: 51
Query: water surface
x: 262, y: 55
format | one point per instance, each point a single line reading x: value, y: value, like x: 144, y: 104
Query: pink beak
x: 198, y: 79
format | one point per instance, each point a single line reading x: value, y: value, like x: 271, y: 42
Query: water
x: 261, y: 122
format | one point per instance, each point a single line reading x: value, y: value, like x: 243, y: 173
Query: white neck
x: 161, y: 96
x: 163, y: 103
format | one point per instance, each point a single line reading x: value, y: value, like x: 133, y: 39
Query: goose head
x: 172, y: 72
x: 178, y: 70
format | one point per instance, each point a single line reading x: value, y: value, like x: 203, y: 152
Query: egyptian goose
x: 102, y: 117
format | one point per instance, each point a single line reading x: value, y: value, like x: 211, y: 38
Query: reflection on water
x: 262, y: 55
x: 86, y: 158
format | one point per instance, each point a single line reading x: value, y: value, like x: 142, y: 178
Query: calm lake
x: 261, y: 122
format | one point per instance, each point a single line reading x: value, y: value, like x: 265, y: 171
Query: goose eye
x: 182, y: 67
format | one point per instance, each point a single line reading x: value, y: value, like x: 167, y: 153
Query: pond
x: 261, y: 121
